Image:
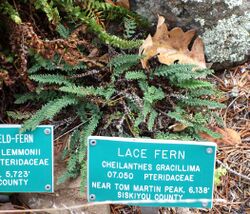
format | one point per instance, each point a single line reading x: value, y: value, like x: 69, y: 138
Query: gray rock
x: 4, y: 198
x: 224, y: 25
x: 149, y: 210
x: 183, y: 211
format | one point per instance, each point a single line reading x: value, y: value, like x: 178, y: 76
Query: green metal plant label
x: 26, y: 159
x: 151, y: 172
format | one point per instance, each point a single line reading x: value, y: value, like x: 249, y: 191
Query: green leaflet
x: 48, y: 111
x: 8, y: 9
x: 136, y: 75
x: 51, y: 79
x: 87, y: 91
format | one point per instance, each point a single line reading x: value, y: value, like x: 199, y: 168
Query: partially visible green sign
x: 26, y: 159
x: 160, y: 172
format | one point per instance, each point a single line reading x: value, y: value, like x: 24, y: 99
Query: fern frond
x: 114, y: 12
x: 181, y: 116
x: 16, y: 115
x: 111, y: 39
x: 40, y: 63
x: 122, y: 63
x: 87, y: 91
x: 194, y: 84
x: 36, y: 67
x: 73, y: 169
x: 51, y: 65
x: 72, y: 163
x: 196, y: 102
x: 67, y: 67
x: 73, y: 144
x: 88, y: 130
x: 83, y: 176
x: 51, y: 79
x: 143, y: 85
x: 151, y: 120
x: 179, y: 73
x: 139, y: 120
x: 136, y: 75
x: 170, y: 71
x: 173, y: 136
x: 48, y: 111
x: 7, y: 9
x: 50, y: 11
x: 203, y: 92
x: 200, y: 128
x: 128, y: 59
x: 78, y: 14
x: 37, y: 96
x: 64, y: 177
x: 147, y: 108
x: 219, y: 120
x: 153, y: 94
x: 78, y: 90
x: 25, y: 97
x: 62, y: 31
x: 129, y: 27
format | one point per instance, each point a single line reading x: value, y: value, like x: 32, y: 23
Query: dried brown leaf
x: 123, y: 3
x: 178, y: 127
x: 229, y: 136
x: 172, y: 46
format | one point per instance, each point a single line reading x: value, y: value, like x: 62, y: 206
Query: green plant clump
x: 219, y: 172
x: 92, y: 13
x: 122, y: 100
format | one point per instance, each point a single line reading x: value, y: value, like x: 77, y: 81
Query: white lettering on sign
x: 146, y: 188
x: 177, y: 168
x: 24, y: 162
x: 131, y: 166
x: 133, y: 153
x: 134, y: 196
x: 120, y: 175
x: 169, y: 154
x: 13, y: 182
x: 13, y: 152
x: 164, y: 172
x: 168, y: 197
x: 122, y: 186
x: 24, y: 138
x: 168, y: 177
x: 174, y: 189
x: 142, y: 153
x: 26, y: 159
x: 147, y: 196
x: 5, y: 138
x: 17, y: 138
x: 101, y: 185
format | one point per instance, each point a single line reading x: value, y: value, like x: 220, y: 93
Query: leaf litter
x: 173, y: 46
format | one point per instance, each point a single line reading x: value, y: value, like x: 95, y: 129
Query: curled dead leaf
x: 121, y: 3
x: 110, y: 2
x: 173, y: 46
x: 229, y: 136
x: 177, y: 127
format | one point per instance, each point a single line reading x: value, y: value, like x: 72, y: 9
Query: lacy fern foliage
x: 130, y: 101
